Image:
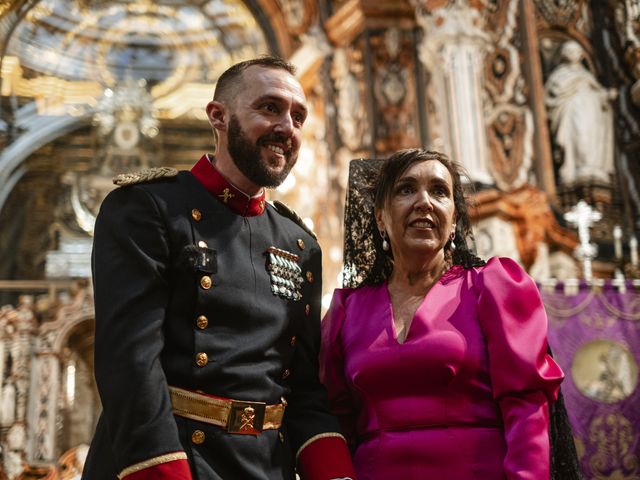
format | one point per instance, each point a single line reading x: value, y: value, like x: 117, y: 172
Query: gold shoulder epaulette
x: 143, y: 176
x: 289, y: 213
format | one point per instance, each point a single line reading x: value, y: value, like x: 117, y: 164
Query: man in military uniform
x: 207, y: 307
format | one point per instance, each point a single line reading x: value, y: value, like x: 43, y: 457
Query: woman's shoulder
x: 500, y: 266
x: 502, y: 272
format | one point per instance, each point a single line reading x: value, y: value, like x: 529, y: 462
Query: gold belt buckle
x: 246, y: 417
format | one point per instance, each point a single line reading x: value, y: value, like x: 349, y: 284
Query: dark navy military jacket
x: 155, y: 319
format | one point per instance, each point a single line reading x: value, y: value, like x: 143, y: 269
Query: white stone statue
x: 581, y: 118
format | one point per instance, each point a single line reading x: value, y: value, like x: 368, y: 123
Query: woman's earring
x: 385, y: 244
x: 452, y: 245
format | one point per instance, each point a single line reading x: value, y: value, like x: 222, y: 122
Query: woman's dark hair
x: 398, y: 163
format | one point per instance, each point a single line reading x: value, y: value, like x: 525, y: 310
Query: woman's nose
x: 423, y: 201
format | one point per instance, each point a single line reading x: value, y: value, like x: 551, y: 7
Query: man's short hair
x: 229, y: 82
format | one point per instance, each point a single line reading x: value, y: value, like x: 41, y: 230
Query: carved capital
x: 456, y: 25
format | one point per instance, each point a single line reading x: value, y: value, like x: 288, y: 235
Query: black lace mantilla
x: 364, y: 260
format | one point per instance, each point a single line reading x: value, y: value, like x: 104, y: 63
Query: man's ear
x: 217, y: 115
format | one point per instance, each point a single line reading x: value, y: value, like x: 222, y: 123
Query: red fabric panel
x: 174, y: 470
x: 324, y: 459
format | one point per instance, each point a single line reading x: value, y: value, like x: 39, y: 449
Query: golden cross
x: 226, y: 195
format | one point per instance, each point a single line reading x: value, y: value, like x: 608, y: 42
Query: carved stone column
x: 453, y: 50
x: 43, y: 402
x: 26, y: 327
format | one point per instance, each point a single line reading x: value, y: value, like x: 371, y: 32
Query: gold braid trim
x: 147, y: 175
x: 285, y: 211
x: 152, y: 462
x: 317, y: 437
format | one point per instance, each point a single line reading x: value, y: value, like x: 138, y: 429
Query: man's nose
x: 285, y: 124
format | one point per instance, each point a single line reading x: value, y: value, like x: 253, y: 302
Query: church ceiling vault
x: 74, y: 50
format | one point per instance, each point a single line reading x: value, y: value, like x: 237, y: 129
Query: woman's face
x: 419, y: 215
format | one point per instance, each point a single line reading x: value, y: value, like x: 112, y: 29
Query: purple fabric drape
x: 594, y: 332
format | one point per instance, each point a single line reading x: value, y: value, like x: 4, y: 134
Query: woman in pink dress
x: 437, y: 363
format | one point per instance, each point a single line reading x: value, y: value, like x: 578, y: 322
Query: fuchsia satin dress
x: 465, y: 397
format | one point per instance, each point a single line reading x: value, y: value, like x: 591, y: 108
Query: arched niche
x: 63, y: 401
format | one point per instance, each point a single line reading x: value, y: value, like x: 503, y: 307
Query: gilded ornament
x: 144, y: 176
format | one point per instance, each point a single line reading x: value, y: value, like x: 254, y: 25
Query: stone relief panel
x: 508, y: 117
x: 562, y: 12
x: 351, y: 104
x: 394, y: 89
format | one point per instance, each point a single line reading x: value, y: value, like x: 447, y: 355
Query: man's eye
x: 269, y: 107
x: 405, y: 189
x: 298, y: 118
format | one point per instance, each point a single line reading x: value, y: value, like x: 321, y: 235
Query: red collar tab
x: 218, y: 186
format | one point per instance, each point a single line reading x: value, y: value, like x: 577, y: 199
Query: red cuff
x: 324, y: 459
x: 174, y: 470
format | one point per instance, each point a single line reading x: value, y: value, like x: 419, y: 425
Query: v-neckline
x: 391, y: 318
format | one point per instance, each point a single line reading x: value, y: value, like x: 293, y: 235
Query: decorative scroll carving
x: 510, y: 131
x: 394, y: 90
x: 353, y: 124
x: 560, y: 12
x: 508, y: 117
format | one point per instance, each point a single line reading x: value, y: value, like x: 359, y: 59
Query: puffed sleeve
x: 524, y: 377
x: 130, y: 262
x: 332, y: 371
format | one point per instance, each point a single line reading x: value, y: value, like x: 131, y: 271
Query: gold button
x: 286, y: 374
x: 307, y: 309
x: 196, y: 214
x: 293, y: 341
x: 309, y: 277
x: 202, y: 322
x: 281, y: 437
x: 202, y: 244
x: 301, y: 244
x: 197, y: 437
x: 201, y: 359
x: 205, y: 282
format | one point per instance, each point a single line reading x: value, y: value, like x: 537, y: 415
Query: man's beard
x: 247, y: 158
